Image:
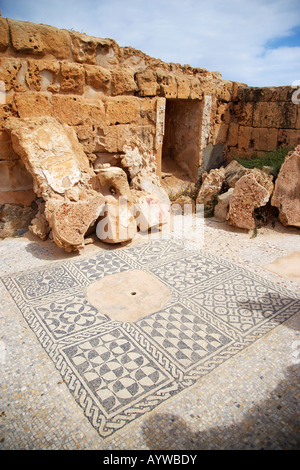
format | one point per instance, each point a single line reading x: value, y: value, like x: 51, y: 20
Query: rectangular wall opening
x: 181, y: 144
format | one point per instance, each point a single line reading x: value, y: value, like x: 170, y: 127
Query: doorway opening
x: 181, y: 144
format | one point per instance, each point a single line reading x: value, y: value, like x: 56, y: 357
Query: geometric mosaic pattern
x: 117, y: 371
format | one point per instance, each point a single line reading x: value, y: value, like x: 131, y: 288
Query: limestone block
x: 97, y: 77
x: 264, y: 139
x: 183, y: 87
x: 233, y: 172
x: 286, y: 194
x: 41, y: 74
x: 222, y: 207
x: 118, y: 223
x: 11, y: 74
x: 272, y: 114
x: 14, y: 176
x: 122, y: 110
x: 4, y: 34
x: 95, y: 51
x: 211, y: 186
x: 75, y: 110
x: 244, y: 137
x: 196, y: 90
x: 72, y: 78
x: 243, y: 113
x: 289, y: 137
x: 39, y: 39
x: 253, y: 190
x: 123, y: 82
x: 147, y: 83
x: 233, y: 134
x: 33, y: 104
x: 167, y: 83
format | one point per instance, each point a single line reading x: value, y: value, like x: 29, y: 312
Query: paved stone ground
x: 250, y: 401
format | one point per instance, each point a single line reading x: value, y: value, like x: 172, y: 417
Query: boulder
x: 252, y: 190
x: 286, y: 196
x: 211, y: 185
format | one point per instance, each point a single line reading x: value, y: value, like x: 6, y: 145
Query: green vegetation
x: 272, y: 159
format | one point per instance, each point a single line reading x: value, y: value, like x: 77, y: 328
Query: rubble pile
x: 240, y: 191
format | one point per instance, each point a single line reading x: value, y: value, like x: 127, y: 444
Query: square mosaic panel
x: 119, y: 370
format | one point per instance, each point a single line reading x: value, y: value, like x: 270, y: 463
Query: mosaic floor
x: 119, y: 370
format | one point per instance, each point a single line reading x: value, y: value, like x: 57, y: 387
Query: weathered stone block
x: 33, y: 104
x: 123, y: 82
x: 167, y: 84
x: 264, y: 139
x: 122, y: 110
x: 72, y: 78
x: 41, y: 74
x: 76, y: 110
x: 233, y: 135
x: 95, y: 51
x: 275, y: 114
x: 97, y: 77
x: 244, y: 137
x: 39, y: 39
x: 183, y: 87
x: 4, y: 34
x: 288, y: 137
x: 147, y: 83
x: 11, y: 74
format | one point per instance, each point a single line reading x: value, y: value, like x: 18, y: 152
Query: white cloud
x: 228, y: 36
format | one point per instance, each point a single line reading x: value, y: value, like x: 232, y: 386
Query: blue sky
x: 251, y: 41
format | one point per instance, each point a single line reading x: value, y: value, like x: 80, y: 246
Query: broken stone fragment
x: 233, y: 172
x: 211, y: 186
x: 117, y: 224
x: 286, y: 196
x: 222, y: 207
x: 113, y: 181
x: 39, y: 225
x: 71, y: 221
x: 253, y: 190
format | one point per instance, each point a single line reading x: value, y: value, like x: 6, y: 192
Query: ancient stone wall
x: 111, y: 95
x: 261, y: 120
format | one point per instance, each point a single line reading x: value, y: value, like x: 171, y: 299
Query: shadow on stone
x: 270, y: 425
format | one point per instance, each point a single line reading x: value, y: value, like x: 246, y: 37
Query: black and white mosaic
x: 117, y: 371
